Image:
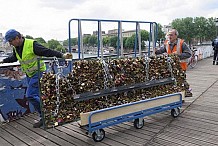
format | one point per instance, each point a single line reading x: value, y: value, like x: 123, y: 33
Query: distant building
x: 166, y: 28
x: 86, y: 35
x: 5, y: 47
x: 128, y: 33
x: 96, y: 32
x: 112, y: 32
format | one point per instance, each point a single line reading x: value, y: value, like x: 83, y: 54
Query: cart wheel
x: 139, y: 123
x: 175, y: 112
x: 98, y: 135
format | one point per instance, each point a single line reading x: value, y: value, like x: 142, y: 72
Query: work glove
x: 68, y: 55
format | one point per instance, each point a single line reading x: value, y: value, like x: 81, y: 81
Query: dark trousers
x: 215, y: 56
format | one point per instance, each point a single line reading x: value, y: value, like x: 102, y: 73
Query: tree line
x: 192, y: 30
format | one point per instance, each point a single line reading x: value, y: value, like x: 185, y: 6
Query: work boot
x: 213, y: 62
x: 188, y: 92
x: 216, y: 63
x: 38, y: 124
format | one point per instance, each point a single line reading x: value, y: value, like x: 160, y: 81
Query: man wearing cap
x: 26, y: 52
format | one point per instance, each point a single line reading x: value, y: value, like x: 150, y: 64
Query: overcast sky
x: 49, y: 18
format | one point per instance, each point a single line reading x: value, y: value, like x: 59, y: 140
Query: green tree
x: 211, y: 31
x: 144, y: 35
x: 124, y: 42
x: 86, y: 40
x: 113, y: 41
x: 40, y: 40
x: 60, y: 48
x: 106, y: 41
x: 55, y: 45
x: 160, y: 34
x: 130, y: 42
x: 28, y: 37
x: 198, y: 28
x: 45, y: 45
x: 93, y: 40
x: 73, y: 42
x: 185, y: 27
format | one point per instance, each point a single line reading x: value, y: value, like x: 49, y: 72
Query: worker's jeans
x: 32, y: 92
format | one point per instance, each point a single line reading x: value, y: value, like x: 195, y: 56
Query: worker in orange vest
x: 173, y: 44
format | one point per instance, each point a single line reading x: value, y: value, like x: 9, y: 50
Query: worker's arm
x: 161, y: 50
x: 186, y: 52
x: 40, y: 50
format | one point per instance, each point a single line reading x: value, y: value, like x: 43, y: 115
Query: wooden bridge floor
x: 197, y: 124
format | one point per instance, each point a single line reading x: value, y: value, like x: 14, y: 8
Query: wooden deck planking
x: 163, y: 142
x: 127, y: 137
x: 193, y: 135
x: 141, y: 135
x: 21, y: 135
x: 70, y: 137
x: 32, y: 134
x: 109, y: 140
x: 7, y: 136
x: 176, y: 138
x: 52, y: 137
x: 3, y: 142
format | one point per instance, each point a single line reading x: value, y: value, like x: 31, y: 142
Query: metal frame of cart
x: 95, y: 121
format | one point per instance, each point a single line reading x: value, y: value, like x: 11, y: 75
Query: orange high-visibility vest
x: 177, y: 48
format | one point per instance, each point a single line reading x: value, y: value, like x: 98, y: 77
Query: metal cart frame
x: 96, y: 128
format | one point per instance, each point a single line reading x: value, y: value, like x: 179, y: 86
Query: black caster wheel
x: 175, y: 112
x: 98, y: 135
x: 139, y: 123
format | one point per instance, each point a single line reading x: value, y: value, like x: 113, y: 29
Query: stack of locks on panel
x: 58, y: 92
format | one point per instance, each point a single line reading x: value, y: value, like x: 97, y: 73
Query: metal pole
x: 139, y: 39
x: 149, y: 42
x: 120, y: 38
x: 153, y: 39
x: 69, y: 43
x: 136, y: 39
x: 100, y: 46
x: 78, y: 44
x: 81, y: 40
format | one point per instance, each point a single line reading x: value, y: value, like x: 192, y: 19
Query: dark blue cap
x: 11, y: 34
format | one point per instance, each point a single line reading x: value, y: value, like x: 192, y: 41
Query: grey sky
x: 49, y: 18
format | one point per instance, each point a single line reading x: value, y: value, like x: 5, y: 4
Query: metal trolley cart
x: 95, y: 121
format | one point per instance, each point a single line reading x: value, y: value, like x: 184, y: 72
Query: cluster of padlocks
x: 60, y: 103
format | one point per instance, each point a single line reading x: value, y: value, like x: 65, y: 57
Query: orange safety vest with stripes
x: 177, y: 48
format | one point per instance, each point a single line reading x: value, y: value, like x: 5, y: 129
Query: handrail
x: 152, y: 36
